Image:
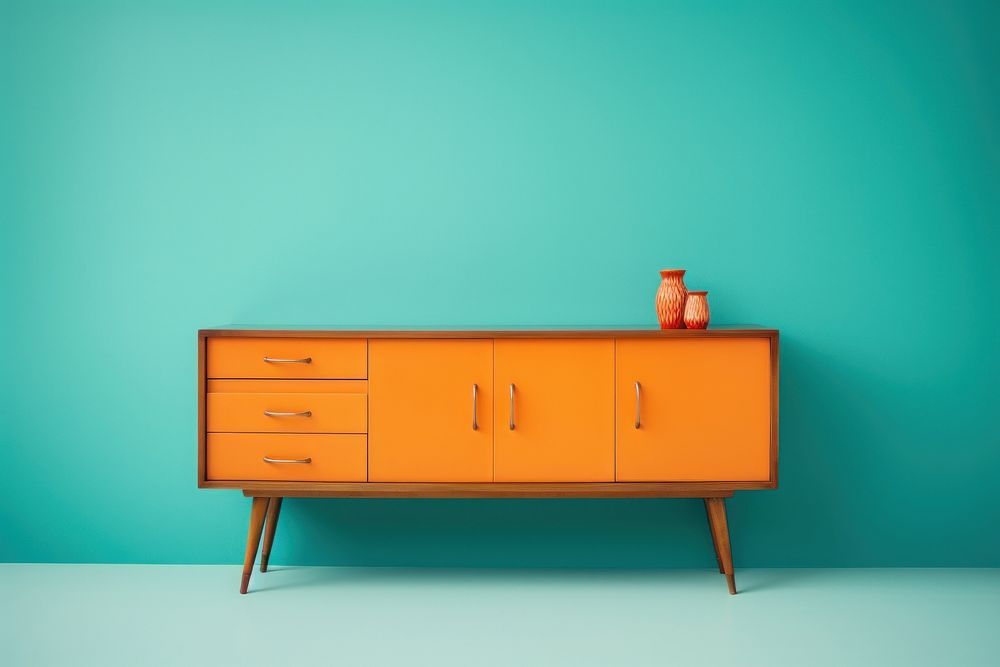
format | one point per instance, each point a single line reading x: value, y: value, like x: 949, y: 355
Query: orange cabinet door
x: 559, y: 424
x: 430, y: 411
x: 702, y: 405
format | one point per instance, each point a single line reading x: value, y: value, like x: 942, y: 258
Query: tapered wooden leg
x: 257, y: 511
x: 720, y: 531
x: 270, y: 525
x: 715, y: 543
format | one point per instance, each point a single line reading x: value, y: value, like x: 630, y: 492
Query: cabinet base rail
x: 265, y: 507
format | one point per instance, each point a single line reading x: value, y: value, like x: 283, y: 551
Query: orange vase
x: 670, y: 298
x: 696, y: 310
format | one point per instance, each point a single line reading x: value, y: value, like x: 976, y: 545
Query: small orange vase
x: 696, y: 310
x: 670, y: 298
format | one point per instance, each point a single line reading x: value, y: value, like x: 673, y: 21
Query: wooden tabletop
x: 526, y: 331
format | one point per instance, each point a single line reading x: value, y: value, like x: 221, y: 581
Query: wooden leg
x: 257, y: 511
x: 270, y: 525
x: 720, y: 531
x: 715, y: 543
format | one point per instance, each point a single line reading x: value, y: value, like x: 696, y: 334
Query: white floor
x: 193, y: 615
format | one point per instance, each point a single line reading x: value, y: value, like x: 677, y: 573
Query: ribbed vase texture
x: 670, y: 298
x: 696, y: 310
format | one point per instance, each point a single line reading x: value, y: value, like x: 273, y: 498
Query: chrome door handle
x: 638, y: 405
x: 475, y: 397
x: 304, y: 413
x: 511, y: 420
x: 268, y: 459
x: 275, y: 360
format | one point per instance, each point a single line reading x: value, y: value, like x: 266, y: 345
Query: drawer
x: 287, y: 406
x: 287, y: 358
x: 323, y: 458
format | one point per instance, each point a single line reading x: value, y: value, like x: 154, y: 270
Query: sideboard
x: 512, y: 413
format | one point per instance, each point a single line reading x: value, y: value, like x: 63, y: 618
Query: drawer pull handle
x: 304, y: 413
x: 475, y: 397
x: 268, y: 459
x: 510, y: 422
x: 638, y: 405
x: 275, y: 360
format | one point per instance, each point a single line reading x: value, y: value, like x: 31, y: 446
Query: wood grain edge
x: 490, y: 489
x: 202, y: 373
x: 500, y: 333
x: 775, y: 374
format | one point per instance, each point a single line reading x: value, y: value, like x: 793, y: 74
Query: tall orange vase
x: 696, y: 310
x: 670, y: 298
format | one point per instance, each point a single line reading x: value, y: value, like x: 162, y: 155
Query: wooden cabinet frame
x: 267, y: 495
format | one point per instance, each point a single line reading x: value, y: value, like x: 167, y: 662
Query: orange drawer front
x: 303, y: 406
x: 287, y: 358
x: 293, y: 457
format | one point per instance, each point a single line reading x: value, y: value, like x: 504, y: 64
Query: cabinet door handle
x: 638, y: 405
x: 475, y: 397
x: 511, y: 421
x: 304, y: 413
x: 268, y: 459
x: 275, y: 360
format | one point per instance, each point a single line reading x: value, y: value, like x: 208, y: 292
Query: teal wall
x: 830, y: 169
